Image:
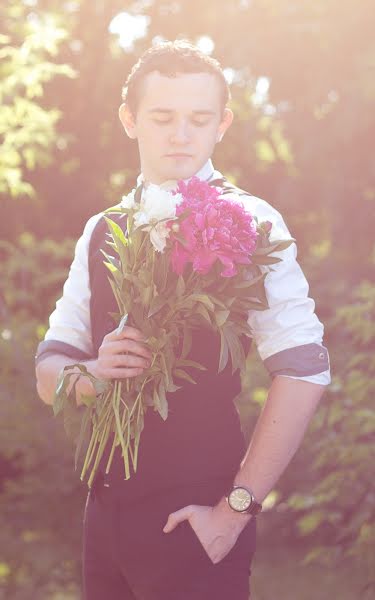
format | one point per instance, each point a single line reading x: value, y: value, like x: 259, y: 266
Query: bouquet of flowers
x: 188, y: 258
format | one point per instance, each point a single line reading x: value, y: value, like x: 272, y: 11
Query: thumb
x: 176, y: 517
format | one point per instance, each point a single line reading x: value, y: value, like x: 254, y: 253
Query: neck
x: 205, y: 173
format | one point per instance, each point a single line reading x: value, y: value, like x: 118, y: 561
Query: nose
x: 180, y: 134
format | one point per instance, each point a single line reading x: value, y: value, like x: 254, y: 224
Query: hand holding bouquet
x: 188, y: 258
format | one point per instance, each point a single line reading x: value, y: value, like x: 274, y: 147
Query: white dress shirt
x: 288, y: 334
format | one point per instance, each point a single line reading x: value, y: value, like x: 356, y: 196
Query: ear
x: 128, y: 121
x: 226, y: 122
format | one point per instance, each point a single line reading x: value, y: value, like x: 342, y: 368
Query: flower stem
x: 136, y: 440
x: 114, y: 444
x: 99, y: 453
x: 116, y: 402
x: 90, y: 452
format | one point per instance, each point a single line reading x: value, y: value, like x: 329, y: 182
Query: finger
x: 128, y: 332
x: 177, y: 517
x: 116, y: 373
x: 127, y: 361
x: 120, y: 346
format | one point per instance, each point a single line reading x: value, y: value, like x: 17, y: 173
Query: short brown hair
x: 171, y: 59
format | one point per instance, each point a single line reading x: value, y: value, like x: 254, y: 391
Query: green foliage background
x: 304, y: 145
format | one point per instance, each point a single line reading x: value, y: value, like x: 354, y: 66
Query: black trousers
x: 127, y: 556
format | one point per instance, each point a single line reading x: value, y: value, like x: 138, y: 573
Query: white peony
x: 140, y: 218
x: 159, y: 234
x: 128, y: 201
x: 156, y: 208
x: 159, y: 204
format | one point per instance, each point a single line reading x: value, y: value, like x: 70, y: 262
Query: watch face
x: 239, y: 499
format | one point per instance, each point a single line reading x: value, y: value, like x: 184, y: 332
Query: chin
x: 184, y: 173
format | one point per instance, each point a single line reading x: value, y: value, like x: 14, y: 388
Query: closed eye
x: 194, y: 122
x: 200, y: 123
x: 162, y: 121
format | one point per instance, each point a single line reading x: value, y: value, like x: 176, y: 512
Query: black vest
x: 201, y: 439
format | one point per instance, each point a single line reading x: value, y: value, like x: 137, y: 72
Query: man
x: 183, y: 526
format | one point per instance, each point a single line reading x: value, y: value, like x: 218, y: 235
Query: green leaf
x: 202, y: 310
x: 88, y: 400
x: 187, y: 341
x: 58, y: 403
x: 157, y: 304
x: 235, y: 348
x: 180, y: 287
x: 160, y: 401
x: 224, y: 352
x: 276, y: 246
x: 191, y: 363
x: 250, y: 282
x: 221, y: 316
x: 117, y: 233
x: 118, y: 296
x: 283, y: 244
x: 120, y: 247
x: 265, y: 260
x: 161, y: 267
x: 173, y: 388
x: 145, y: 296
x: 212, y: 298
x: 82, y: 436
x: 181, y: 374
x: 163, y: 409
x: 252, y: 305
x: 111, y: 267
x: 61, y: 382
x: 72, y: 416
x: 166, y: 369
x: 114, y: 262
x: 205, y: 299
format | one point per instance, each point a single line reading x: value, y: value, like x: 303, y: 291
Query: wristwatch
x: 241, y: 500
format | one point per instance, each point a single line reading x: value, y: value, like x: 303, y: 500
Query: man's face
x: 178, y: 122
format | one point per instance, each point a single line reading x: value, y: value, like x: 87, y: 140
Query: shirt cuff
x: 320, y: 379
x: 299, y: 362
x: 50, y: 347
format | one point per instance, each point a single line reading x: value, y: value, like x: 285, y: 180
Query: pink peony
x: 215, y: 229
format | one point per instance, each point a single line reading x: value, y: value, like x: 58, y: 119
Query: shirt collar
x: 205, y: 173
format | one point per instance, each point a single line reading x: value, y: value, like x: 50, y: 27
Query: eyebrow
x: 168, y: 111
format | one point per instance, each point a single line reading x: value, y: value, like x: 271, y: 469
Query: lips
x: 179, y: 155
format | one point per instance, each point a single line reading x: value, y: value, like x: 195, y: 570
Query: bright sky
x: 129, y: 28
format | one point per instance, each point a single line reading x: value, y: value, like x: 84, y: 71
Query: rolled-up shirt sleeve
x: 69, y: 329
x: 288, y: 335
